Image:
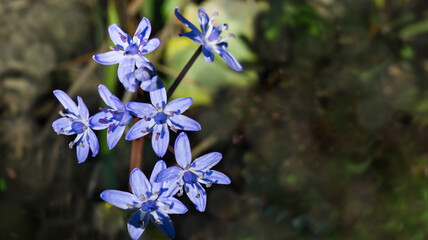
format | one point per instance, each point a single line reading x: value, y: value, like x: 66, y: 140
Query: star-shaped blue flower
x: 114, y: 118
x: 153, y: 202
x: 210, y: 39
x: 128, y: 52
x: 157, y: 117
x: 191, y: 175
x: 76, y: 121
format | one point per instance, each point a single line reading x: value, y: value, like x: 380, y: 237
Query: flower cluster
x: 153, y: 200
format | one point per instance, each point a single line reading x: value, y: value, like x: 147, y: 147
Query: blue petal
x: 82, y: 151
x: 185, y: 21
x: 203, y: 19
x: 217, y: 177
x: 194, y: 36
x: 120, y: 199
x: 125, y: 67
x: 163, y: 222
x: 151, y: 45
x: 152, y: 84
x: 93, y: 142
x: 139, y: 129
x: 105, y: 95
x: 143, y: 31
x: 141, y: 61
x: 208, y: 53
x: 173, y: 205
x: 140, y: 186
x: 117, y: 35
x: 168, y: 174
x: 185, y: 123
x: 159, y: 166
x: 158, y: 97
x: 114, y: 136
x: 97, y: 122
x: 66, y: 101
x: 206, y: 161
x: 60, y: 124
x: 228, y: 57
x: 131, y: 82
x: 137, y: 223
x: 140, y: 110
x: 160, y: 139
x: 179, y: 105
x: 118, y: 105
x: 197, y: 195
x: 109, y: 58
x: 183, y: 154
x: 83, y: 110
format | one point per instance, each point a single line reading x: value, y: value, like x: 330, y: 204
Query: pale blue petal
x: 125, y: 67
x: 185, y: 123
x: 203, y: 19
x: 206, y: 161
x: 217, y: 177
x: 183, y: 153
x: 173, y: 205
x: 185, y: 21
x: 151, y: 45
x: 143, y: 31
x: 158, y: 97
x: 228, y: 57
x: 137, y: 223
x: 66, y: 101
x: 155, y: 83
x: 164, y: 223
x: 197, y: 195
x: 140, y: 186
x: 118, y: 105
x: 117, y: 35
x: 114, y: 136
x: 140, y: 110
x: 159, y: 166
x: 169, y: 174
x: 60, y: 124
x: 160, y: 139
x: 208, y: 53
x: 98, y: 121
x: 120, y: 199
x: 141, y: 61
x: 105, y: 95
x: 194, y: 36
x: 93, y: 142
x: 83, y: 110
x: 82, y: 151
x: 109, y: 58
x: 139, y: 129
x: 179, y: 105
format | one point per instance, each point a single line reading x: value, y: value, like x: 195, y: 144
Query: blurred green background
x: 324, y: 134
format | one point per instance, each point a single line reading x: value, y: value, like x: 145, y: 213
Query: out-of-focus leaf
x: 414, y: 29
x: 407, y: 52
x: 3, y: 185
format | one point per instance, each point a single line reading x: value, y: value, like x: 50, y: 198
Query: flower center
x: 132, y: 49
x: 189, y: 177
x: 78, y: 127
x: 149, y: 206
x: 160, y: 118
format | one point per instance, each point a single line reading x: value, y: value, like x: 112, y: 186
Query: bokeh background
x: 324, y: 134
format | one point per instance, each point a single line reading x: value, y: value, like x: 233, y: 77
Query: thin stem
x: 183, y: 72
x: 137, y: 144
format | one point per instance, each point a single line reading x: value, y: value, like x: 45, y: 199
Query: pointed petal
x: 139, y: 184
x: 141, y: 128
x: 151, y: 45
x: 100, y: 121
x: 228, y: 57
x: 60, y: 124
x: 141, y: 61
x: 66, y: 101
x: 117, y: 35
x: 194, y: 36
x: 153, y: 84
x: 83, y: 110
x: 217, y: 177
x: 183, y: 153
x: 168, y: 174
x: 185, y: 123
x: 82, y: 151
x: 160, y: 139
x: 203, y: 19
x: 158, y: 97
x: 179, y: 105
x: 120, y: 199
x: 208, y: 53
x: 197, y: 195
x: 117, y: 103
x: 140, y: 110
x: 173, y: 205
x: 163, y: 222
x: 137, y: 223
x: 109, y: 58
x: 143, y: 31
x: 125, y: 67
x: 159, y: 166
x: 93, y: 142
x: 207, y: 161
x: 185, y: 21
x: 105, y: 95
x: 114, y: 136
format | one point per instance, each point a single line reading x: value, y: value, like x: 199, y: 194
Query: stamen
x: 142, y: 197
x: 129, y: 205
x: 172, y: 114
x: 60, y: 131
x: 104, y: 110
x: 209, y: 184
x: 166, y: 207
x: 71, y: 144
x: 143, y: 42
x: 110, y: 128
x: 157, y: 136
x: 198, y: 196
x: 158, y: 221
x: 173, y: 128
x: 122, y: 37
x: 187, y: 167
x: 157, y: 106
x: 61, y: 113
x: 103, y: 121
x: 82, y: 145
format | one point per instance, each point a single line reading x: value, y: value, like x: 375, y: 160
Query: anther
x: 129, y: 205
x: 173, y: 128
x: 142, y: 197
x: 159, y: 222
x: 70, y: 145
x: 209, y: 184
x: 198, y: 196
x: 103, y: 121
x: 157, y: 136
x: 166, y: 207
x: 60, y: 131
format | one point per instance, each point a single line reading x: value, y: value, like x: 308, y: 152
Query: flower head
x: 157, y: 117
x: 114, y: 118
x: 76, y: 121
x: 191, y: 175
x: 128, y: 51
x: 153, y: 202
x: 210, y: 38
x: 146, y: 76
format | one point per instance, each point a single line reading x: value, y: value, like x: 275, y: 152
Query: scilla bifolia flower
x: 114, y: 118
x: 191, y: 175
x: 145, y: 76
x: 210, y: 39
x: 76, y: 121
x: 153, y: 202
x: 157, y: 117
x: 128, y: 51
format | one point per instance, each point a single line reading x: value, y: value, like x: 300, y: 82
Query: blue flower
x: 128, y: 51
x: 191, y: 175
x: 153, y: 201
x: 76, y: 121
x: 210, y: 39
x: 114, y: 119
x: 146, y: 76
x: 158, y: 116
